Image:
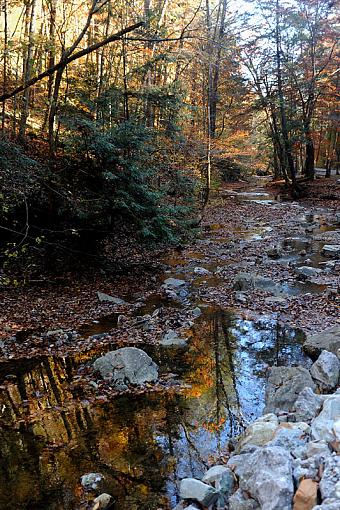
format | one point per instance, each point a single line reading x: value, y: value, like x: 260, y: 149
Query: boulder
x: 329, y: 504
x: 260, y: 432
x: 290, y: 439
x: 322, y: 427
x: 318, y: 448
x: 190, y: 488
x: 90, y: 481
x: 330, y: 481
x: 106, y: 298
x: 307, y: 405
x: 325, y: 371
x: 171, y: 339
x: 284, y: 385
x: 308, y: 272
x: 306, y: 496
x: 328, y: 340
x: 214, y: 474
x: 128, y: 365
x: 240, y: 501
x: 266, y: 475
x: 305, y: 468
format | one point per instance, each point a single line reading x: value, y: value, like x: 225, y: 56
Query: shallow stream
x: 143, y: 445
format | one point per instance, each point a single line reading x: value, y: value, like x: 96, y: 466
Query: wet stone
x: 190, y: 488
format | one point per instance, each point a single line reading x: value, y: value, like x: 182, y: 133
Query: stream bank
x: 58, y: 421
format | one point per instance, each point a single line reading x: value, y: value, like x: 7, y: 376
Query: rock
x: 306, y: 496
x: 196, y: 312
x: 174, y: 283
x: 307, y: 405
x: 317, y: 448
x: 241, y: 297
x: 171, y: 339
x: 290, y: 439
x: 214, y: 474
x: 128, y: 365
x: 305, y: 468
x: 226, y: 483
x: 331, y: 250
x: 274, y: 252
x: 322, y: 426
x: 175, y: 289
x: 328, y: 340
x: 238, y: 501
x: 102, y: 501
x: 190, y: 488
x: 284, y: 386
x: 248, y: 281
x: 266, y: 475
x: 329, y: 504
x: 309, y: 272
x: 243, y: 281
x: 272, y: 300
x: 201, y: 271
x: 325, y: 371
x: 105, y: 298
x: 330, y: 478
x: 90, y: 481
x: 260, y: 432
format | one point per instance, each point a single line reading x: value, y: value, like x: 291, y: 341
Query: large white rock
x: 307, y: 405
x: 322, y: 427
x: 260, y: 432
x: 214, y: 474
x: 128, y: 365
x: 239, y: 501
x: 191, y: 488
x: 325, y: 371
x: 330, y: 479
x: 266, y: 475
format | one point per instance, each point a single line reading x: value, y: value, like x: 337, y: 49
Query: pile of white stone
x: 289, y: 459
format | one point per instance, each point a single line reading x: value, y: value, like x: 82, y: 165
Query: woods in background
x: 116, y: 116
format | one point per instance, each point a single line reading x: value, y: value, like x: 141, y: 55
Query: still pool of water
x: 143, y: 445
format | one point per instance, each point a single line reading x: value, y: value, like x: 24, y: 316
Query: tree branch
x: 65, y: 61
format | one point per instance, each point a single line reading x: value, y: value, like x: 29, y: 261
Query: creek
x: 145, y: 444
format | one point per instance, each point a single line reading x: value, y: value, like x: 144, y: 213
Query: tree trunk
x: 309, y: 161
x: 5, y: 63
x: 28, y: 65
x: 284, y: 127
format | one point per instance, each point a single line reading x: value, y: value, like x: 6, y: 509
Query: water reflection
x: 51, y: 434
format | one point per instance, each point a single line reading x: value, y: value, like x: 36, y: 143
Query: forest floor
x: 234, y: 293
x: 245, y: 229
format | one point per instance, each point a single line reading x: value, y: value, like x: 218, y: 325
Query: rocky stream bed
x: 209, y: 381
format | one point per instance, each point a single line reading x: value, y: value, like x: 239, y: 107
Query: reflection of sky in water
x: 252, y: 347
